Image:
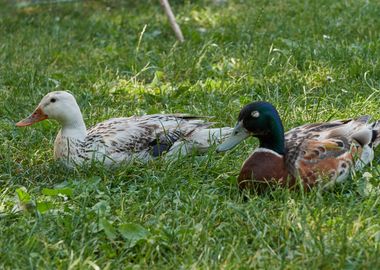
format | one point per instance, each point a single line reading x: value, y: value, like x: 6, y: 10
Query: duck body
x: 121, y: 139
x: 138, y: 137
x: 317, y: 154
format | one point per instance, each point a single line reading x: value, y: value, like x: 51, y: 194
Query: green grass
x: 314, y: 60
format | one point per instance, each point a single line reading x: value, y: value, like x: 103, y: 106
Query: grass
x: 314, y: 60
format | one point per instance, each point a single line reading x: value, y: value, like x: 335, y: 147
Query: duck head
x: 59, y: 105
x: 260, y: 120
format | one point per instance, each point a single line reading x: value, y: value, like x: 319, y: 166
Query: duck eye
x: 255, y: 114
x: 53, y: 100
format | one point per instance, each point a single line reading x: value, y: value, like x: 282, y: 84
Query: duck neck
x: 274, y: 139
x: 74, y: 127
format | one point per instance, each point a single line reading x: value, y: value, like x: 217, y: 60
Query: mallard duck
x: 121, y: 139
x: 320, y: 153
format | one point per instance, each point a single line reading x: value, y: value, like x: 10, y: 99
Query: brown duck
x: 320, y: 153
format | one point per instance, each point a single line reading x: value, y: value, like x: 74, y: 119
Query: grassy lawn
x: 314, y: 60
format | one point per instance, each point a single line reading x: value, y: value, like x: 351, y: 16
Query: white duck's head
x: 60, y: 106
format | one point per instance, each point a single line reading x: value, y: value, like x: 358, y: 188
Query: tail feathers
x: 363, y: 118
x: 190, y: 116
x: 204, y: 138
x: 375, y: 134
x: 200, y: 141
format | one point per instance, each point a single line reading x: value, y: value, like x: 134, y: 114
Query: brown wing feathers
x: 375, y: 141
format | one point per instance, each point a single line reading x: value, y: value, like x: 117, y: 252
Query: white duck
x: 121, y: 139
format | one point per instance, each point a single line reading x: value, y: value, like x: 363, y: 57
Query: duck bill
x: 37, y: 116
x: 238, y: 135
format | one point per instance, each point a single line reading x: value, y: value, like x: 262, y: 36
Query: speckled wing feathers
x: 150, y: 134
x: 316, y: 147
x: 375, y: 134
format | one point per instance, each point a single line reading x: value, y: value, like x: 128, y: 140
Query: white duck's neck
x: 74, y: 127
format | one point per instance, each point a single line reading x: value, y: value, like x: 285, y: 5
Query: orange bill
x: 35, y: 117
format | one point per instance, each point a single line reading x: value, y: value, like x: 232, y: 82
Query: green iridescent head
x: 260, y: 120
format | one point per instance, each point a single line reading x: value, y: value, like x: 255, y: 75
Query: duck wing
x: 328, y: 148
x: 149, y: 134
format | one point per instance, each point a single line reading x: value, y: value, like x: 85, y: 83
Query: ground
x: 314, y: 60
